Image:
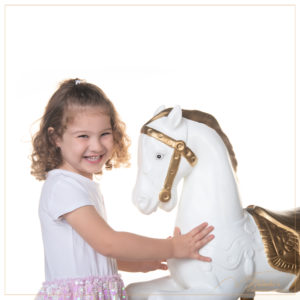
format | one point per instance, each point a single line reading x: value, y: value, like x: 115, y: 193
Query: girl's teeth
x: 93, y: 157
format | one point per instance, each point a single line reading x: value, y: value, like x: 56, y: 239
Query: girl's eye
x: 105, y: 133
x: 83, y: 136
x: 159, y: 156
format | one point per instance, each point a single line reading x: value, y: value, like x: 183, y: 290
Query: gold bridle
x: 180, y: 149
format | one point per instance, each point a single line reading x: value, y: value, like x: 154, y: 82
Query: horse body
x: 210, y: 193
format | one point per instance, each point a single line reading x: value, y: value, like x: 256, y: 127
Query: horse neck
x: 210, y: 191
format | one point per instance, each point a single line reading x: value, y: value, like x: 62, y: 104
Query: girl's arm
x: 141, y: 266
x: 131, y: 247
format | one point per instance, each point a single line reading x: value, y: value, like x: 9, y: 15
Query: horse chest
x: 232, y: 253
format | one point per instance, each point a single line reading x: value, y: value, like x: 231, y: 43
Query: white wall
x: 235, y: 62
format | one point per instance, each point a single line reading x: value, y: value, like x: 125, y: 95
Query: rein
x: 180, y: 149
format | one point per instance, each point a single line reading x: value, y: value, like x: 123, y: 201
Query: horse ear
x: 160, y: 109
x: 175, y: 116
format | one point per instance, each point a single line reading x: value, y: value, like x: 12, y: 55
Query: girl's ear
x: 52, y: 137
x: 175, y: 116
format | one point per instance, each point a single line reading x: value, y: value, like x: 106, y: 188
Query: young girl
x: 80, y: 133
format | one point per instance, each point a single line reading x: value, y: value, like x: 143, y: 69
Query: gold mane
x: 207, y: 119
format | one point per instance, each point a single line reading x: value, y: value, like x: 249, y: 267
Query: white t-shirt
x: 67, y: 254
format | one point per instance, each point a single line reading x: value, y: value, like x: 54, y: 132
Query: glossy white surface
x: 210, y: 193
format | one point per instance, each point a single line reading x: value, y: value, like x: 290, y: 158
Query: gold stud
x: 166, y: 197
x: 180, y: 146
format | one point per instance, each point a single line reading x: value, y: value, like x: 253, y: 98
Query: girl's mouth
x: 94, y: 159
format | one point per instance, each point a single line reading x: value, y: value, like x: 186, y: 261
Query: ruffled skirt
x: 89, y: 288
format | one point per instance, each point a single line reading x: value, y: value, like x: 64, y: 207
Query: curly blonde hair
x: 74, y: 92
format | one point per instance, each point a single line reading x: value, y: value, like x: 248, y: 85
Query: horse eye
x: 159, y: 156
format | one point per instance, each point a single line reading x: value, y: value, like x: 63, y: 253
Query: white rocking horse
x: 254, y: 249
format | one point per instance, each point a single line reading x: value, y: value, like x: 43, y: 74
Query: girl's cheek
x: 108, y: 139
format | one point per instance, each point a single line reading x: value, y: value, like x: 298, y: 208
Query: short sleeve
x: 66, y: 195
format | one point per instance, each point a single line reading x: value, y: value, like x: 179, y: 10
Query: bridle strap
x: 165, y: 193
x: 180, y: 149
x: 180, y: 146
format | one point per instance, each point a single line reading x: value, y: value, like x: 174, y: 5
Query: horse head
x: 162, y: 145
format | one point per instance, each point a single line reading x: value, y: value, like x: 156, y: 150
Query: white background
x: 234, y: 62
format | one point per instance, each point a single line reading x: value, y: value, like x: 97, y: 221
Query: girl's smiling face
x: 87, y: 143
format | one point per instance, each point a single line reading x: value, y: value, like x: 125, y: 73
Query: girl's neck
x: 66, y: 167
x: 76, y: 174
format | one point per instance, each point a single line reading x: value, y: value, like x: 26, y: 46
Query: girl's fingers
x: 202, y: 234
x: 203, y: 258
x: 204, y: 241
x: 196, y: 239
x: 177, y: 231
x: 163, y: 267
x: 198, y: 229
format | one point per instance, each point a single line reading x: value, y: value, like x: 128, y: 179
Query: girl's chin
x: 94, y: 168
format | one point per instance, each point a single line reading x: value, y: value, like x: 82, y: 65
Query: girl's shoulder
x: 60, y: 179
x: 63, y: 191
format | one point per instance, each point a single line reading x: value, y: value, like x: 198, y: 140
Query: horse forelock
x: 204, y: 118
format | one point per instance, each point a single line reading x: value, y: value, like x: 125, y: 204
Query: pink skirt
x: 88, y: 288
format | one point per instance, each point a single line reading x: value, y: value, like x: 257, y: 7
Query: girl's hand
x: 189, y: 244
x: 147, y: 266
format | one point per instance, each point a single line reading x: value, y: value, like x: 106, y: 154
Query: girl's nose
x: 96, y: 145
